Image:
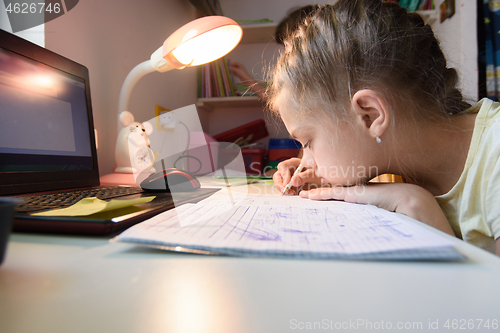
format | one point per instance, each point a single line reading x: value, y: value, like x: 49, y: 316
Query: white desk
x: 77, y: 284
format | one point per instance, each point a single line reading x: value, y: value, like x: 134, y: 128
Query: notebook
x: 269, y: 225
x: 47, y: 139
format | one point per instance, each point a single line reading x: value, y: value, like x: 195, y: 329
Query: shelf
x: 228, y: 102
x: 258, y: 33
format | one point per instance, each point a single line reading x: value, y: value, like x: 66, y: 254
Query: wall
x: 458, y: 37
x: 111, y: 37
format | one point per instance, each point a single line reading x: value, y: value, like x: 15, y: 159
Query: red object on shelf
x: 257, y: 128
x: 254, y: 160
x: 282, y: 154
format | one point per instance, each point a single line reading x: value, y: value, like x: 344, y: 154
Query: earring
x: 378, y: 139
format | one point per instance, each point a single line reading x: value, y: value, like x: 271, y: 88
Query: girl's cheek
x: 328, y: 174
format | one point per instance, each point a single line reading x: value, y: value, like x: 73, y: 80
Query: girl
x: 364, y: 86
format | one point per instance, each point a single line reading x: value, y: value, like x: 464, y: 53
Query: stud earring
x: 378, y: 139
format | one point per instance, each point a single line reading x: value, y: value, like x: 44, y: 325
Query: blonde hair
x: 365, y: 44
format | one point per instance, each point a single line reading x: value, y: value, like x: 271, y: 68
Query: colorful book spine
x: 413, y: 5
x: 213, y: 81
x: 404, y: 3
x: 218, y: 79
x: 203, y: 80
x: 225, y: 78
x: 422, y: 4
x: 229, y: 76
x: 218, y: 9
x: 200, y: 80
x: 208, y: 81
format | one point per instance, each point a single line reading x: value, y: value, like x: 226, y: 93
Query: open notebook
x: 263, y: 225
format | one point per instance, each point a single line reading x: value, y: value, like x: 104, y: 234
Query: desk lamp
x: 198, y: 42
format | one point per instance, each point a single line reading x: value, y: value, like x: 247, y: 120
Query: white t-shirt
x: 472, y: 206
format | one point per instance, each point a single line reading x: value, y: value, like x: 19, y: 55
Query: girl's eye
x: 307, y: 145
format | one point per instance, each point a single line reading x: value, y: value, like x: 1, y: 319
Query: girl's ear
x: 371, y: 112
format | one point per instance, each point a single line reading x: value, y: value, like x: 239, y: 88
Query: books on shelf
x: 215, y: 80
x: 413, y: 5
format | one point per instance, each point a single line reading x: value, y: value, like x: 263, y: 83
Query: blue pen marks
x: 284, y: 215
x: 239, y: 224
x: 262, y: 234
x: 299, y: 231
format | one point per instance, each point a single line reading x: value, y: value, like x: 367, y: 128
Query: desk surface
x: 51, y: 283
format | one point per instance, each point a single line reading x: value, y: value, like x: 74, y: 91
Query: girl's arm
x: 241, y: 73
x: 410, y: 200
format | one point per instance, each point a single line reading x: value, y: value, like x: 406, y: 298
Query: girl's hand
x: 241, y: 73
x: 410, y: 200
x: 238, y: 70
x: 284, y: 174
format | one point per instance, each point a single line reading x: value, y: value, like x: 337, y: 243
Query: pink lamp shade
x: 201, y: 41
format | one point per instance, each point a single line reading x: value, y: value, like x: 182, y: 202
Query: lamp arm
x: 130, y: 81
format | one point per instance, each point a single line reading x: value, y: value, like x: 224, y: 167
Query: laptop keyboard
x: 37, y: 202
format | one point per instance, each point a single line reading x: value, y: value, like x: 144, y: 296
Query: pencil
x: 289, y: 185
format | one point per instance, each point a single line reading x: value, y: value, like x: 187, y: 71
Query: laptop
x: 47, y: 141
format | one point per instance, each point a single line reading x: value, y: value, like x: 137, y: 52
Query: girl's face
x: 337, y: 152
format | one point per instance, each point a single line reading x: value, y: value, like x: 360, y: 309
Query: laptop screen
x: 43, y: 117
x: 46, y: 128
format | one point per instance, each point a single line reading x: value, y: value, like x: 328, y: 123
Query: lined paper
x: 263, y: 225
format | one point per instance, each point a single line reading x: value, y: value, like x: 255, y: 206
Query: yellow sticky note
x: 89, y: 206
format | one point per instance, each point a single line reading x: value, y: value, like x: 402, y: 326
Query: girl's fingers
x: 303, y: 177
x: 304, y: 180
x: 285, y: 170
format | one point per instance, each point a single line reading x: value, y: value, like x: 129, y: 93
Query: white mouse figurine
x: 132, y: 154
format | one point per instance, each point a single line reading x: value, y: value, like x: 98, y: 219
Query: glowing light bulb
x: 208, y: 46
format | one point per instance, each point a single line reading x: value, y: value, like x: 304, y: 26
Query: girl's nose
x: 307, y: 159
